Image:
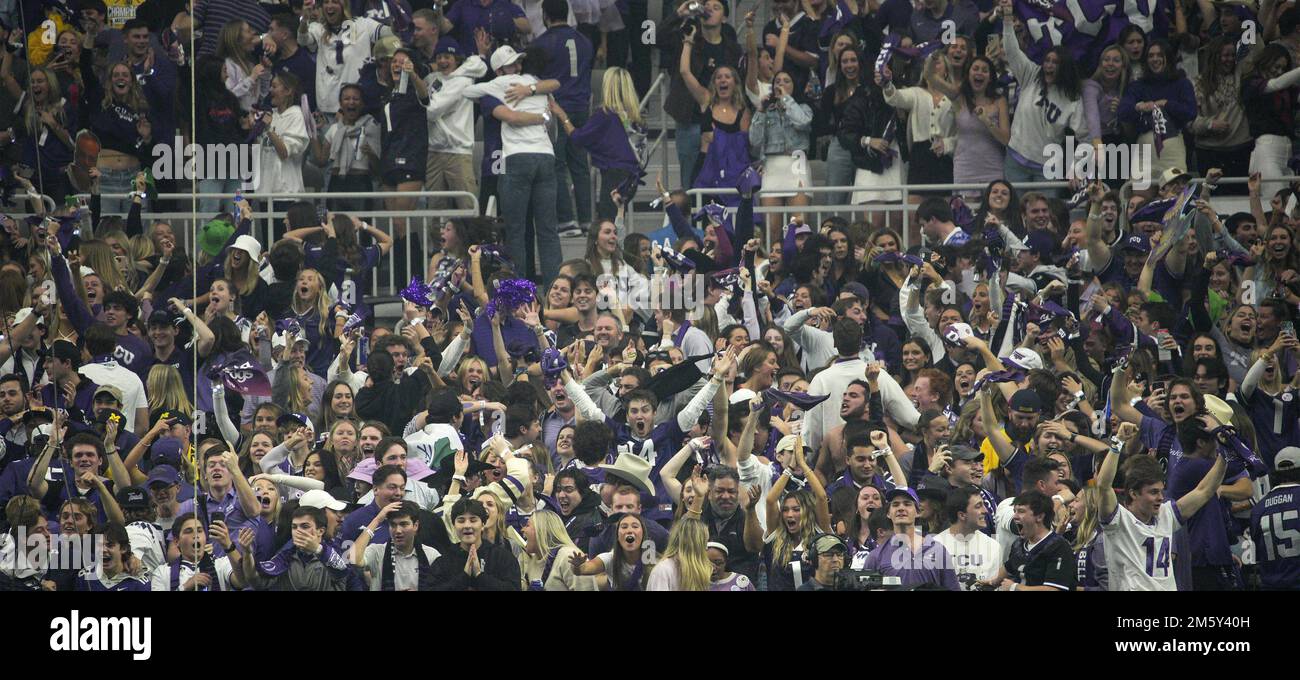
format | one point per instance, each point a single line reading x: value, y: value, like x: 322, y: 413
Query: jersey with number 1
x: 1137, y: 553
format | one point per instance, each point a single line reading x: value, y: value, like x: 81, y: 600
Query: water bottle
x: 815, y: 84
x: 401, y: 83
x: 363, y: 346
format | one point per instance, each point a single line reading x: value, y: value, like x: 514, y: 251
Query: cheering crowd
x: 1095, y: 390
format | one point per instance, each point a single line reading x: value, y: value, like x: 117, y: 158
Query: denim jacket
x: 784, y: 131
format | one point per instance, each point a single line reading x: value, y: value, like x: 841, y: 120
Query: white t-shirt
x: 524, y: 138
x: 161, y: 581
x: 112, y: 373
x: 406, y: 575
x: 1137, y: 553
x: 975, y: 553
x: 664, y: 576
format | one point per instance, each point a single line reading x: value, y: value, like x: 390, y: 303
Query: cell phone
x: 217, y: 517
x: 1288, y: 327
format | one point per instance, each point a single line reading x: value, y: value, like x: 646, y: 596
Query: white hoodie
x: 451, y: 115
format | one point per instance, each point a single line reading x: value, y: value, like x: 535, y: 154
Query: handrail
x: 654, y: 86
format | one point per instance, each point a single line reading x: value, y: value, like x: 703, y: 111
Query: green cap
x: 214, y: 236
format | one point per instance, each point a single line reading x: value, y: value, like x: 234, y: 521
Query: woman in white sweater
x: 285, y: 141
x: 930, y: 128
x: 246, y: 77
x: 1049, y: 101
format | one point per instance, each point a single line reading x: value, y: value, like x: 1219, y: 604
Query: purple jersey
x: 1275, y: 530
x: 1207, y: 530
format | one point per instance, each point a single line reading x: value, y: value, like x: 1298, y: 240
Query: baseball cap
x: 181, y: 417
x: 112, y: 391
x: 1174, y: 175
x: 161, y: 317
x: 1026, y: 401
x: 965, y: 453
x: 504, y: 56
x: 446, y: 45
x: 1287, y: 459
x: 319, y: 498
x: 803, y: 229
x: 166, y: 452
x: 1137, y: 242
x: 249, y: 245
x: 1025, y: 359
x: 293, y: 420
x: 22, y: 314
x: 163, y: 474
x: 35, y: 413
x: 133, y: 498
x: 787, y: 443
x: 741, y: 395
x: 65, y: 351
x: 901, y: 491
x: 827, y: 542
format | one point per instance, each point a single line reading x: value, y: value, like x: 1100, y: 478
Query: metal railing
x: 271, y: 208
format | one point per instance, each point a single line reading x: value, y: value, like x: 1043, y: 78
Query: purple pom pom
x: 511, y: 294
x: 418, y: 293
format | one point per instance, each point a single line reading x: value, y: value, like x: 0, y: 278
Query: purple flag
x: 241, y: 373
x: 1086, y: 26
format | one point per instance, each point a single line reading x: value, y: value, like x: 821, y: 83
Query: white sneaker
x: 572, y: 231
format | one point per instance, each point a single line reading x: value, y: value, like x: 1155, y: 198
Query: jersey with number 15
x: 1137, y: 553
x: 1275, y: 530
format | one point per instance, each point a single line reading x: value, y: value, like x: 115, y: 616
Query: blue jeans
x: 1018, y: 173
x: 688, y: 152
x: 529, y: 182
x: 116, y: 182
x: 572, y: 162
x: 211, y: 206
x: 840, y: 172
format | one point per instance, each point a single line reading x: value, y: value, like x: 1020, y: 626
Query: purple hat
x: 167, y: 451
x: 163, y: 474
x: 902, y: 491
x: 447, y: 45
x: 858, y: 290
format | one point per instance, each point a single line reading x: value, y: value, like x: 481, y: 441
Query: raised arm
x: 1192, y: 501
x: 698, y: 91
x: 1109, y: 465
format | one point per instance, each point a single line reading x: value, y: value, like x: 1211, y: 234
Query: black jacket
x: 585, y: 522
x: 393, y: 403
x: 865, y: 115
x: 500, y: 569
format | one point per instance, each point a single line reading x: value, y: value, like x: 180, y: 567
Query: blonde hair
x: 1124, y: 68
x: 1271, y: 386
x: 1091, y: 519
x: 784, y: 544
x: 98, y: 256
x: 141, y: 247
x: 322, y: 302
x: 229, y: 47
x: 166, y: 390
x: 31, y: 114
x: 134, y: 94
x: 550, y: 531
x: 687, y: 548
x: 618, y: 96
x: 123, y: 240
x: 246, y: 283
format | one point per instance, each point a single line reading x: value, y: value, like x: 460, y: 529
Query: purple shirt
x: 498, y: 17
x: 1207, y: 530
x: 1275, y: 530
x: 930, y: 566
x: 563, y: 44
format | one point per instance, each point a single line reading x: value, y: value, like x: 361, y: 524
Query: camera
x: 862, y: 580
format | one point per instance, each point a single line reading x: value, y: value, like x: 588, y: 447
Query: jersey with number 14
x: 1137, y: 553
x: 1275, y: 530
